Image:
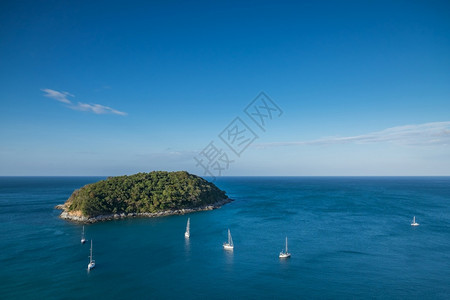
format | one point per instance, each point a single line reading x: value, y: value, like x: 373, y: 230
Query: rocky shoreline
x: 76, y: 217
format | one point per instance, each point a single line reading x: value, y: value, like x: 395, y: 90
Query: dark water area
x: 350, y: 237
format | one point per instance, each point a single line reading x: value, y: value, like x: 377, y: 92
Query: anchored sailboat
x: 83, y: 239
x: 285, y: 254
x: 91, y: 264
x: 187, y: 234
x: 229, y: 245
x: 414, y: 222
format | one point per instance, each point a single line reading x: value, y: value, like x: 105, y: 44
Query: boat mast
x: 90, y: 256
x: 286, y: 246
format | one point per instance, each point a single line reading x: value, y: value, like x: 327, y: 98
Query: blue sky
x: 111, y: 88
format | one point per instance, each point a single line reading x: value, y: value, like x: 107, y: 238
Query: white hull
x: 83, y: 241
x: 187, y: 235
x: 228, y: 247
x: 284, y: 255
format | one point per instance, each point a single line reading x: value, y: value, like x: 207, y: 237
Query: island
x: 153, y: 194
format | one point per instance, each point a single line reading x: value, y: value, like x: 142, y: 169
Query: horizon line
x: 225, y: 176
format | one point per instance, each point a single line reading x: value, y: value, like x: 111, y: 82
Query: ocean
x: 350, y: 237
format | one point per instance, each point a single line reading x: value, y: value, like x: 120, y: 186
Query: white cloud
x: 58, y: 96
x: 94, y: 108
x: 97, y: 109
x: 435, y: 133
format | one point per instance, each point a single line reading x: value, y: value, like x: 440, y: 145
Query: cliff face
x: 142, y: 194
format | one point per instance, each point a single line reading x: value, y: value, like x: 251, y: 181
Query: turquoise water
x: 349, y: 238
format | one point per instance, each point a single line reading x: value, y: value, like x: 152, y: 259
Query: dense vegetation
x: 144, y: 192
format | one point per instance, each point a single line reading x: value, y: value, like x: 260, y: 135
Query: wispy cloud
x: 436, y: 133
x: 58, y: 96
x: 97, y: 109
x: 90, y: 107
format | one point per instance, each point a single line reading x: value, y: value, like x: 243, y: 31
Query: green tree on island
x: 144, y: 193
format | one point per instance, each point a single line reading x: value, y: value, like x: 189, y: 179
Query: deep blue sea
x: 350, y: 237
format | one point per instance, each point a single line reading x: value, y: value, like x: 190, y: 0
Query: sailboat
x: 285, y: 254
x: 187, y: 234
x: 229, y: 245
x: 414, y: 222
x: 83, y: 239
x: 91, y: 264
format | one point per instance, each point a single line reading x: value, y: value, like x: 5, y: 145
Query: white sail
x: 414, y: 222
x: 230, y: 239
x: 187, y: 234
